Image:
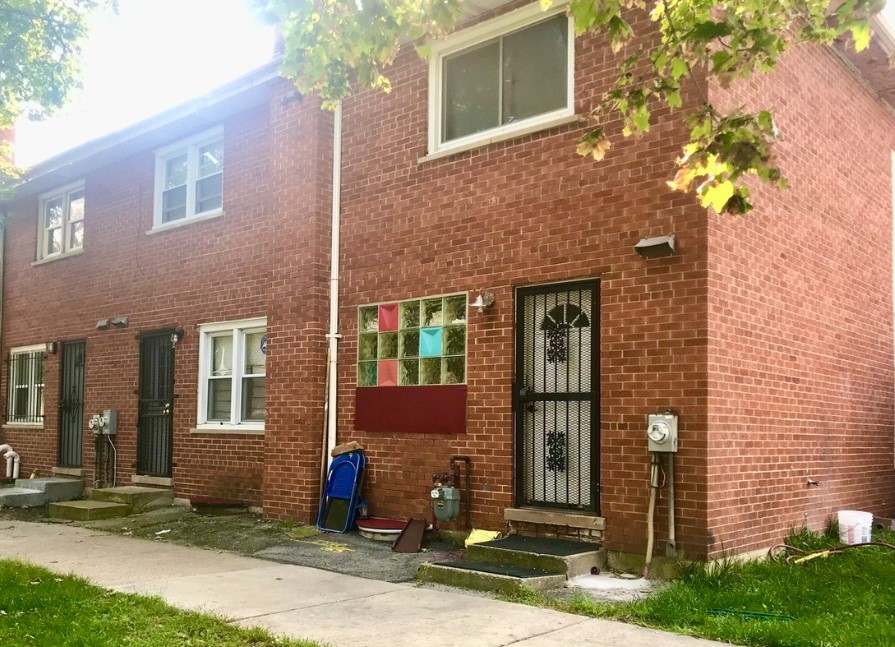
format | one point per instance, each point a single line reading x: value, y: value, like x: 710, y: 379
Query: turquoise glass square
x: 430, y: 342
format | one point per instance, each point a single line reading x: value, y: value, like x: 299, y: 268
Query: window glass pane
x: 470, y: 91
x: 174, y: 204
x: 410, y: 314
x: 219, y: 397
x: 454, y: 370
x: 76, y: 205
x: 54, y: 241
x: 430, y: 370
x: 535, y: 64
x: 366, y: 374
x: 368, y: 346
x: 175, y: 171
x: 222, y: 355
x: 409, y: 343
x: 255, y: 359
x: 211, y: 158
x: 409, y: 373
x: 388, y: 345
x: 253, y: 398
x: 208, y: 193
x: 76, y: 236
x: 455, y: 310
x: 53, y: 211
x: 455, y: 340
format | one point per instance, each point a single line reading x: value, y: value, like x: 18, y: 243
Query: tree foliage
x: 40, y: 43
x: 331, y: 45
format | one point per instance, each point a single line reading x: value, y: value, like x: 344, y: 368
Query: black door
x: 154, y: 429
x: 557, y: 396
x: 71, y: 405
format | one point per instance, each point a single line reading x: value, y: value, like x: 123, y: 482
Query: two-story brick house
x: 209, y: 229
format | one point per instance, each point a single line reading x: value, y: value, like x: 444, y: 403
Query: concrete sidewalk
x: 309, y: 603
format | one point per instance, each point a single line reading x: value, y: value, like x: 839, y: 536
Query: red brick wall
x: 800, y: 315
x: 518, y: 213
x: 250, y: 262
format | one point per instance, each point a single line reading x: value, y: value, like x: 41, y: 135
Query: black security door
x: 71, y: 405
x: 557, y: 396
x: 154, y: 432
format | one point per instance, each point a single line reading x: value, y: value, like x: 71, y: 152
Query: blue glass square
x: 430, y: 342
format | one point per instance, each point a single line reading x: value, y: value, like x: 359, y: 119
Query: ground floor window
x: 232, y: 373
x: 25, y: 403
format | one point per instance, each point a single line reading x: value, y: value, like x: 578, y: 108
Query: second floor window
x: 189, y: 178
x: 61, y: 221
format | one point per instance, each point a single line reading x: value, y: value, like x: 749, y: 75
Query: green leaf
x: 679, y: 67
x: 673, y: 99
x: 709, y: 31
x: 640, y: 118
x: 717, y: 194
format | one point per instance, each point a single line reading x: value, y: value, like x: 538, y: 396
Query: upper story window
x: 506, y: 75
x: 61, y: 221
x: 232, y: 374
x: 417, y: 342
x: 189, y: 178
x: 25, y: 404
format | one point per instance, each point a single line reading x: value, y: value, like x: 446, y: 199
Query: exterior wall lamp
x: 656, y: 247
x: 483, y: 300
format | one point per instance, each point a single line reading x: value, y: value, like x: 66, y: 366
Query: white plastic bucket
x: 854, y: 526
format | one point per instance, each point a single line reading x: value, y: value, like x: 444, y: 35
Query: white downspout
x: 12, y: 461
x: 334, y: 336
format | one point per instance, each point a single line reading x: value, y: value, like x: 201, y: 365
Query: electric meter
x: 661, y: 432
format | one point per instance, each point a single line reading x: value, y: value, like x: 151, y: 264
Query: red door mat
x: 381, y: 525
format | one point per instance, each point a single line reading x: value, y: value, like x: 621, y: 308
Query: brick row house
x: 490, y: 299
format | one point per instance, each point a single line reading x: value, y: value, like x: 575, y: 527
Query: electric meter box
x: 661, y: 432
x: 111, y: 426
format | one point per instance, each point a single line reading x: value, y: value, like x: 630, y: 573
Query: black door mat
x: 494, y: 569
x: 542, y: 545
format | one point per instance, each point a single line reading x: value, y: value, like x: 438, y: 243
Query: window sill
x: 183, y: 222
x: 228, y: 430
x: 448, y: 150
x: 23, y: 425
x: 58, y: 257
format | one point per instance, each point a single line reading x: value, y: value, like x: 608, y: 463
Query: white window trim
x: 63, y: 192
x: 21, y: 350
x: 191, y: 144
x: 488, y: 30
x: 206, y: 333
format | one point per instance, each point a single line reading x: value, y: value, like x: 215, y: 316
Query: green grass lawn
x: 845, y: 600
x: 40, y: 608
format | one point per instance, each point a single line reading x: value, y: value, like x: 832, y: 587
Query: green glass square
x: 455, y: 310
x: 368, y: 319
x: 409, y: 343
x: 366, y: 374
x: 455, y: 340
x: 388, y: 345
x: 368, y: 346
x: 410, y: 314
x: 409, y: 372
x: 433, y: 314
x: 430, y: 370
x: 454, y: 370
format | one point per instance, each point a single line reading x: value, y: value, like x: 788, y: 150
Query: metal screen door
x: 71, y: 405
x: 154, y: 430
x: 557, y: 396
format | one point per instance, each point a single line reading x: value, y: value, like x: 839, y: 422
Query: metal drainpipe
x: 334, y: 336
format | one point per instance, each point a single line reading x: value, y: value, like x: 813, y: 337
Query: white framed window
x: 510, y: 74
x: 25, y: 403
x: 232, y: 371
x: 189, y: 178
x: 61, y: 227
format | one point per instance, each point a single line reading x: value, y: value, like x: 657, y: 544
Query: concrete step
x: 136, y: 497
x: 560, y: 556
x: 87, y: 510
x: 56, y: 489
x: 20, y: 497
x: 480, y: 576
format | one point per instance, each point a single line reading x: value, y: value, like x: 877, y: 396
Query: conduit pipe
x: 333, y: 336
x: 12, y: 461
x: 671, y: 546
x: 650, y: 531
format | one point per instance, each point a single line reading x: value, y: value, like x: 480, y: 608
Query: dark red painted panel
x: 411, y: 409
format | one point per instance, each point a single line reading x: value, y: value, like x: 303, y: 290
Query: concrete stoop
x: 508, y: 565
x: 30, y: 493
x: 107, y: 503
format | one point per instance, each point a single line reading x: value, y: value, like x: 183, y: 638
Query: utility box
x: 661, y: 432
x: 446, y: 503
x: 111, y: 426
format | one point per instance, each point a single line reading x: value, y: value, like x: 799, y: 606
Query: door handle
x: 167, y: 408
x: 531, y: 408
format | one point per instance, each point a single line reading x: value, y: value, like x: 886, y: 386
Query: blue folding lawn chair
x: 342, y: 494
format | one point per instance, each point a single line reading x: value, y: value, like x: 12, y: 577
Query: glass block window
x: 418, y: 342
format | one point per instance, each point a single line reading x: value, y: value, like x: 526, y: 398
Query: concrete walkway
x: 309, y: 603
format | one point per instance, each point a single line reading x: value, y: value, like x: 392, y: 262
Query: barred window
x: 26, y: 385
